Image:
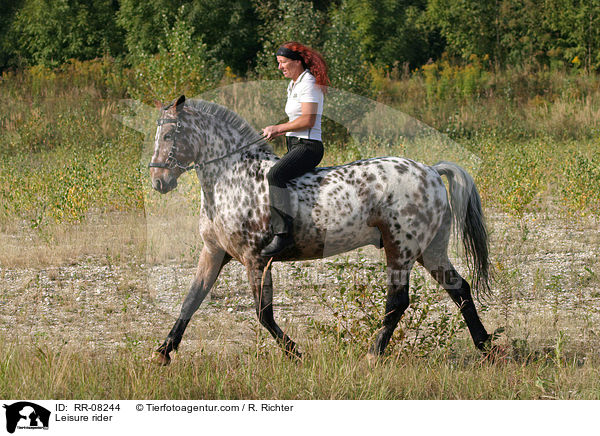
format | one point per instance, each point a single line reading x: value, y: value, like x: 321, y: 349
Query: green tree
x: 286, y: 20
x: 522, y: 36
x: 575, y: 27
x: 348, y: 69
x: 51, y: 31
x: 8, y: 10
x: 183, y: 65
x: 393, y: 31
x: 468, y: 26
x: 145, y: 23
x: 229, y: 29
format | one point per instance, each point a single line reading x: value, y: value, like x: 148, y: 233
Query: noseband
x: 172, y: 161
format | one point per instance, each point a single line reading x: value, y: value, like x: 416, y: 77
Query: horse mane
x: 227, y: 116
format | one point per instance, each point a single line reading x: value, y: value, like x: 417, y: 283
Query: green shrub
x: 181, y: 66
x: 581, y: 187
x: 357, y: 309
x: 444, y: 80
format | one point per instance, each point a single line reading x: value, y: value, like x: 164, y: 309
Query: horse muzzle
x: 164, y: 185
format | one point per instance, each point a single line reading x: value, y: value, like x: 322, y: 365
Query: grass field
x: 110, y: 309
x: 93, y: 274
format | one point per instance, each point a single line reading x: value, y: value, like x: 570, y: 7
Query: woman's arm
x: 305, y: 121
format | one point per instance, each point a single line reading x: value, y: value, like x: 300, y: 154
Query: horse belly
x: 332, y: 223
x: 323, y: 241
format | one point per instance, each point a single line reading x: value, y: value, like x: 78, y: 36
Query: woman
x: 308, y: 73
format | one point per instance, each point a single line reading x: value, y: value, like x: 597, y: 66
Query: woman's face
x: 291, y: 69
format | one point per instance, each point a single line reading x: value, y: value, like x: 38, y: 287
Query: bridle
x: 172, y: 161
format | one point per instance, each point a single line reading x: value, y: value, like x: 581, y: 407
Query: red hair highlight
x: 313, y: 60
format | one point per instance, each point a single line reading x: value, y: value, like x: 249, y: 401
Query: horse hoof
x: 160, y: 358
x: 485, y: 346
x: 293, y: 354
x: 496, y: 354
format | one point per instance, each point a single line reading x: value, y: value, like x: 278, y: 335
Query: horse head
x: 200, y: 135
x: 173, y: 155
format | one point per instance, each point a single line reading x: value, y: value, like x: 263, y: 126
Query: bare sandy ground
x: 110, y: 295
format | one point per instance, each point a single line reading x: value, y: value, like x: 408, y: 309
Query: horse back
x: 345, y: 207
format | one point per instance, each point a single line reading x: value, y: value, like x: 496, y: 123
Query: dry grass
x: 114, y: 236
x: 325, y: 373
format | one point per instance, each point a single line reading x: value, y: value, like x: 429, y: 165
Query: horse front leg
x: 209, y: 266
x: 262, y: 289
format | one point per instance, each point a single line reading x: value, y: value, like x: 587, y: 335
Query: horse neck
x: 221, y: 148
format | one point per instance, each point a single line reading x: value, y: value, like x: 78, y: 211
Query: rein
x: 172, y: 161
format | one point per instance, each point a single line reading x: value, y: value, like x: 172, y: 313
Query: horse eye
x: 167, y: 137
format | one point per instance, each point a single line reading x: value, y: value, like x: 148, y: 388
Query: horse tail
x: 469, y: 223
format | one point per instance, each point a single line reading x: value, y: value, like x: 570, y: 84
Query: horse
x: 393, y: 203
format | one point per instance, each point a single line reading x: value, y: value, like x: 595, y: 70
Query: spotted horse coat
x: 391, y: 202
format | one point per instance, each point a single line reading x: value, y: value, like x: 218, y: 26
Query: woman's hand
x: 271, y: 132
x: 305, y: 121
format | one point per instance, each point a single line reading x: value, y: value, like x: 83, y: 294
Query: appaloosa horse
x: 392, y: 202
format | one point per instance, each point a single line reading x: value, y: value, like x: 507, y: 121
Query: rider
x: 308, y: 73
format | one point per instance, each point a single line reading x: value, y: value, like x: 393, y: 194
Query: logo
x: 26, y: 415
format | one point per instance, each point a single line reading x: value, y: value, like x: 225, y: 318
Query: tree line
x: 243, y: 34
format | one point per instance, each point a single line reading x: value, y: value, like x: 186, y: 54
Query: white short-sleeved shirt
x: 305, y: 90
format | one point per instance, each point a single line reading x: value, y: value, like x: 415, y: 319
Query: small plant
x: 357, y: 308
x: 555, y: 287
x: 443, y: 80
x: 582, y: 182
x: 428, y: 325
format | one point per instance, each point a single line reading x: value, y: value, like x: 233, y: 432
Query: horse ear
x: 179, y: 103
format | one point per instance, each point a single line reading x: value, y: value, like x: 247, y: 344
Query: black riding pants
x: 303, y: 156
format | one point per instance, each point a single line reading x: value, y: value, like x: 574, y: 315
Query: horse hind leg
x: 398, y: 272
x: 396, y: 304
x: 435, y: 260
x: 262, y: 289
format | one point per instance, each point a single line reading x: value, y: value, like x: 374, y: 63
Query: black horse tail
x: 469, y: 223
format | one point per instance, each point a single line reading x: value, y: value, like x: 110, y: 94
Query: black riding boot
x: 281, y: 222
